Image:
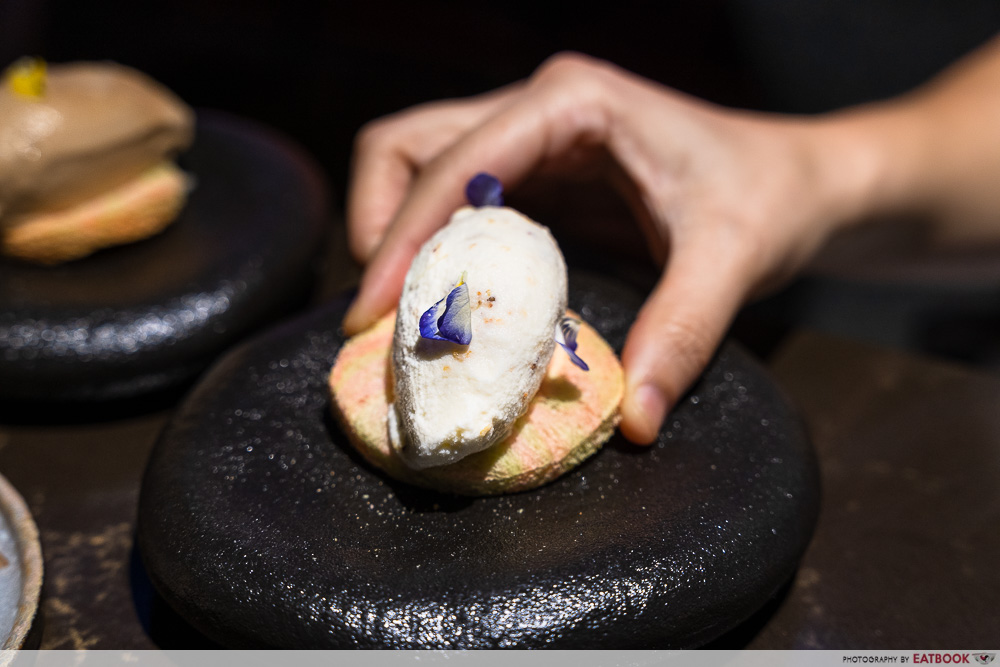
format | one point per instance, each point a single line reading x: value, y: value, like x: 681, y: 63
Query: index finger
x: 390, y: 152
x: 545, y: 121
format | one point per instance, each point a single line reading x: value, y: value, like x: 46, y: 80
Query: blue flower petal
x: 574, y: 358
x: 566, y: 332
x: 456, y: 322
x: 429, y: 320
x: 569, y: 327
x: 450, y: 319
x: 484, y: 190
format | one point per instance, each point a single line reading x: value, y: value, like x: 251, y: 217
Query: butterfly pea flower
x: 450, y: 319
x: 566, y: 332
x: 484, y: 190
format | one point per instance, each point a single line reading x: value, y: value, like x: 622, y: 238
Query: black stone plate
x: 260, y: 526
x: 151, y: 315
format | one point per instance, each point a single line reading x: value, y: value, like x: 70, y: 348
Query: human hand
x: 732, y: 202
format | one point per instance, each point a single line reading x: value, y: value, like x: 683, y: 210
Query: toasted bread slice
x: 136, y: 210
x: 571, y: 416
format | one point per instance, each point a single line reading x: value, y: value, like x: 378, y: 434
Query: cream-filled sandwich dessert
x: 455, y: 397
x: 463, y: 388
x: 86, y: 154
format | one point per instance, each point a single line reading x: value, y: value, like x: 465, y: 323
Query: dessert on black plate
x: 261, y: 525
x: 86, y: 158
x: 237, y: 224
x: 480, y: 386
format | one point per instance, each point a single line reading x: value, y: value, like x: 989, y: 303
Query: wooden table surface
x: 905, y: 552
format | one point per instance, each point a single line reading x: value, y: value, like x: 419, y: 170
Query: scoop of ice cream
x: 452, y: 400
x: 90, y: 128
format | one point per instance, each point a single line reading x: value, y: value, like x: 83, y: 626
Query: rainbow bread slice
x: 140, y: 208
x: 573, y: 413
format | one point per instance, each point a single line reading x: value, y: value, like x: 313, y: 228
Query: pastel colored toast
x: 136, y: 210
x: 571, y: 416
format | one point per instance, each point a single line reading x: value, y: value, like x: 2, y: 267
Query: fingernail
x: 653, y: 406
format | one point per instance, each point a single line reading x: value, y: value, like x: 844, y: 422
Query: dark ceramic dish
x: 151, y: 315
x: 261, y: 526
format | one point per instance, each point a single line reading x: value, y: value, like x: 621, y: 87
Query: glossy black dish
x: 151, y: 315
x: 261, y: 527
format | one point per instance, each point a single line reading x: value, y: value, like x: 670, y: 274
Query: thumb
x: 676, y: 334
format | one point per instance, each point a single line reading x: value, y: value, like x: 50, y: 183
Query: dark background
x: 319, y: 70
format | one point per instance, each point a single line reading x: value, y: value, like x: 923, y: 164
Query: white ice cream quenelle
x: 453, y: 400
